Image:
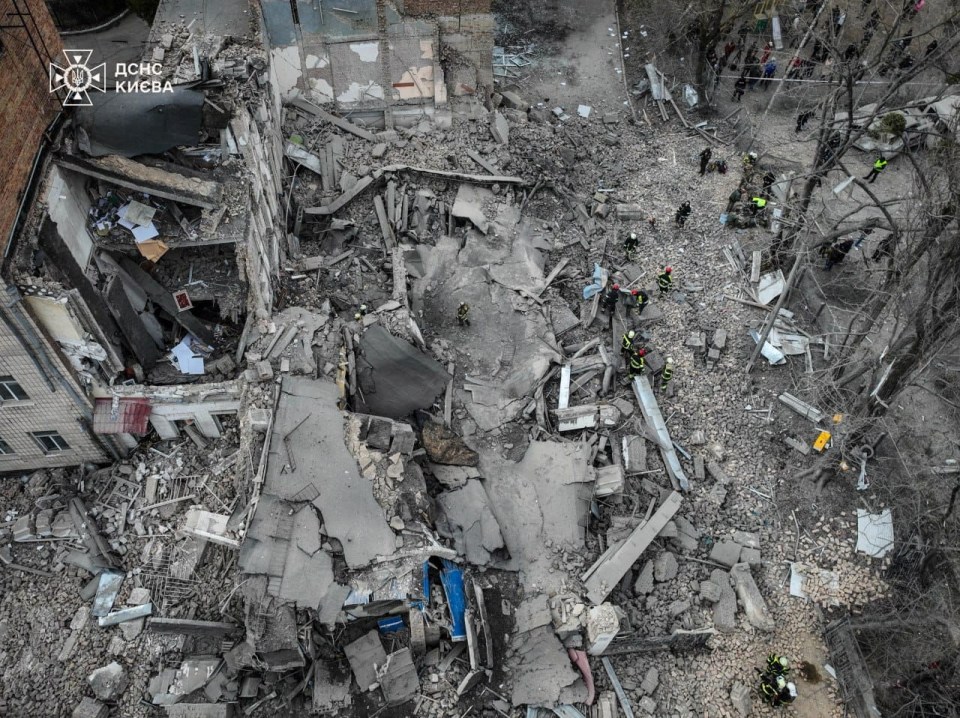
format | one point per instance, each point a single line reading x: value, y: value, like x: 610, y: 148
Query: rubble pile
x: 440, y: 486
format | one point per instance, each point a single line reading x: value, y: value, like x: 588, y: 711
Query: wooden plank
x: 553, y: 274
x: 755, y: 266
x: 310, y: 264
x: 448, y: 397
x: 343, y: 124
x: 344, y: 199
x: 475, y: 156
x: 564, y: 401
x: 606, y: 574
x: 385, y: 227
x: 461, y: 176
x: 804, y: 409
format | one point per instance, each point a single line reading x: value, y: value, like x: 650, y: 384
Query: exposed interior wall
x: 259, y: 139
x: 469, y: 43
x: 372, y: 62
x: 68, y: 205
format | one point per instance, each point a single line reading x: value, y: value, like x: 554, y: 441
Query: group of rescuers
x: 634, y: 355
x: 775, y: 687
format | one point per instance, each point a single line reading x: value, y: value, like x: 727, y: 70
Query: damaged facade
x: 327, y: 328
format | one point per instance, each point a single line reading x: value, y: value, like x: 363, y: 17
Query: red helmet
x: 641, y: 352
x: 635, y: 292
x: 668, y: 269
x: 616, y: 286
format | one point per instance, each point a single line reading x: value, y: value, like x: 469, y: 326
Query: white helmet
x: 793, y: 690
x: 669, y: 360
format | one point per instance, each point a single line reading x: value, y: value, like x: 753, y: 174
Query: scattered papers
x: 584, y: 111
x: 184, y: 357
x: 142, y: 234
x: 152, y: 249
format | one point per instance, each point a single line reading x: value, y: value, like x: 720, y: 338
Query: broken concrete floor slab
x: 309, y: 424
x: 542, y: 500
x: 465, y: 516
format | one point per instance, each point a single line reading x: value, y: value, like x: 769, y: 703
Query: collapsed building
x: 329, y: 495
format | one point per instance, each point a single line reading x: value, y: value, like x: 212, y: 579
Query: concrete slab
x: 542, y: 672
x: 365, y: 654
x: 541, y: 500
x: 465, y: 516
x: 308, y: 417
x: 754, y: 606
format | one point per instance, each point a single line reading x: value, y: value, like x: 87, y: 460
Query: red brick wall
x: 26, y: 106
x: 444, y: 7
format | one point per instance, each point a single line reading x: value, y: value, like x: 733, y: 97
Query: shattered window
x: 10, y: 390
x: 50, y: 441
x: 5, y: 448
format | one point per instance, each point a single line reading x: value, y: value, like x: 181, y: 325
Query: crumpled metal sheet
x: 139, y: 123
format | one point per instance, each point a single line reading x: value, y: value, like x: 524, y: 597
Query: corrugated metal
x: 128, y: 416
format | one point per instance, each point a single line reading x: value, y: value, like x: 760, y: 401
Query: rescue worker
x: 777, y: 665
x: 835, y: 252
x: 626, y: 345
x: 361, y: 312
x: 462, y: 311
x: 640, y: 299
x: 878, y: 166
x: 630, y: 244
x: 732, y: 200
x: 759, y: 204
x: 637, y: 363
x: 802, y: 119
x: 788, y: 694
x: 610, y: 299
x: 705, y: 160
x: 667, y: 374
x: 665, y: 280
x: 771, y: 687
x: 683, y: 211
x: 738, y: 88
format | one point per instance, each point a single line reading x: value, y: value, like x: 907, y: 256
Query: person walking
x: 630, y: 244
x: 835, y: 253
x: 610, y: 300
x: 665, y: 280
x: 683, y: 211
x: 462, y: 311
x: 728, y: 50
x: 637, y: 363
x: 626, y: 345
x: 705, y: 160
x: 667, y: 374
x: 879, y: 165
x: 738, y: 88
x: 769, y: 70
x: 639, y: 299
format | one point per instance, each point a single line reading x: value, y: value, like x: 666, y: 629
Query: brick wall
x: 44, y: 409
x: 444, y: 7
x: 26, y: 106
